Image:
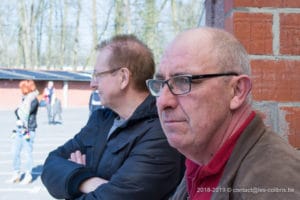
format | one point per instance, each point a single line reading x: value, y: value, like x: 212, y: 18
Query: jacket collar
x: 244, y: 144
x: 147, y: 109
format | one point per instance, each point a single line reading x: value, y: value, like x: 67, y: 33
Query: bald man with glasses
x: 202, y: 88
x: 122, y: 152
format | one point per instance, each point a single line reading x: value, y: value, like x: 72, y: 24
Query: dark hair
x: 128, y: 51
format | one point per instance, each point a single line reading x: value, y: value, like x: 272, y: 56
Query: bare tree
x: 174, y: 9
x: 49, y: 34
x: 76, y: 39
x: 39, y: 34
x: 43, y: 33
x: 64, y: 17
x: 128, y: 15
x: 91, y: 55
x: 8, y: 35
x: 24, y: 33
x: 150, y: 19
x: 119, y: 17
x: 97, y: 33
x: 29, y: 13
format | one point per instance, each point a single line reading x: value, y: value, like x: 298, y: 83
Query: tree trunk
x: 76, y: 39
x: 49, y: 33
x: 119, y: 16
x: 64, y: 17
x: 24, y: 34
x: 175, y: 15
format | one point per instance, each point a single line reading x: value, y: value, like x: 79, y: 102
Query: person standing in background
x: 23, y: 136
x: 95, y: 101
x: 50, y: 96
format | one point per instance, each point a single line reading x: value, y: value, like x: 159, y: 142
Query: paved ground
x: 48, y: 137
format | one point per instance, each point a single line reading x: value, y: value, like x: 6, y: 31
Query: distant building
x: 72, y: 88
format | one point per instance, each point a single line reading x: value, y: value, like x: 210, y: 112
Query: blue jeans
x: 20, y: 141
x: 50, y: 113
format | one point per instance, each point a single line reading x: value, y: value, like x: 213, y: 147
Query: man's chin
x: 175, y: 140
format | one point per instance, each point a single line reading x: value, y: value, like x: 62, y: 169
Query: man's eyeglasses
x: 98, y: 74
x: 180, y: 84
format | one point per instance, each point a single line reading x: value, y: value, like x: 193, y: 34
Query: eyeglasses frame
x: 95, y: 75
x: 191, y: 78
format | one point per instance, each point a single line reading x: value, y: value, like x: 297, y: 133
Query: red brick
x: 267, y: 3
x: 276, y: 80
x: 292, y: 117
x: 290, y: 4
x: 290, y: 34
x: 254, y: 30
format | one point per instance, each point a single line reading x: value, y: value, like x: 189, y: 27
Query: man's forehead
x: 176, y: 57
x: 179, y: 62
x: 170, y: 65
x: 166, y: 71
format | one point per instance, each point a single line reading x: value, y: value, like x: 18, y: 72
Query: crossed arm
x: 90, y: 184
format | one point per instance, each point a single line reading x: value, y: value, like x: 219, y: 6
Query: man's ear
x: 241, y: 86
x: 125, y: 76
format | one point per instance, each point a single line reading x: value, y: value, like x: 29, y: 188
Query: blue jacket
x: 136, y: 159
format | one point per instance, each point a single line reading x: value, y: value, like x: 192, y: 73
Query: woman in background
x: 23, y: 136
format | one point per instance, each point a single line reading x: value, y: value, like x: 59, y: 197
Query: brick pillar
x: 270, y: 31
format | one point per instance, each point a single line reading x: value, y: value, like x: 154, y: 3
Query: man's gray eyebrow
x: 158, y: 76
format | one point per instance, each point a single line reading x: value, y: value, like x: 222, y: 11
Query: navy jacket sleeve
x: 58, y: 170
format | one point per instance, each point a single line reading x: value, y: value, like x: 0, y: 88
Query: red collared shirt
x: 202, y: 181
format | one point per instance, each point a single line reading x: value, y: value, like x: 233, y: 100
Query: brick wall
x: 270, y: 31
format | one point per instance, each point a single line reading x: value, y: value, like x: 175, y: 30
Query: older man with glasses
x: 122, y: 152
x: 201, y: 89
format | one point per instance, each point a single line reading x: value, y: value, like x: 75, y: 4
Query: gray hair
x: 230, y: 53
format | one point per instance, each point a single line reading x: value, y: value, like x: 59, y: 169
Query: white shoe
x: 27, y: 179
x: 16, y: 177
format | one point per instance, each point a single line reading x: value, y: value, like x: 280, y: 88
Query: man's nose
x: 93, y: 84
x: 166, y: 98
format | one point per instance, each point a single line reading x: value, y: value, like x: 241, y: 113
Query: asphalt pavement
x: 48, y: 137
